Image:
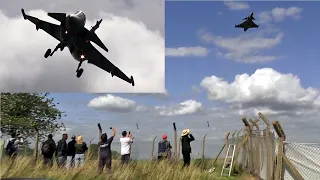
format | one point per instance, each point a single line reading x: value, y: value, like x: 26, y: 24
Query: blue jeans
x: 70, y: 161
x: 62, y: 161
x: 79, y: 160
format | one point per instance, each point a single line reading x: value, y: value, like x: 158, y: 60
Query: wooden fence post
x: 249, y: 131
x: 257, y: 145
x: 203, y: 145
x: 90, y: 150
x: 152, y: 152
x: 270, y: 172
x: 175, y: 141
x: 280, y: 155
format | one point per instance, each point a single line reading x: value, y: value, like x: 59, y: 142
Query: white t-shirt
x: 125, y: 145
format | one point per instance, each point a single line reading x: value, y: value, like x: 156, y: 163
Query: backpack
x: 167, y: 153
x: 46, y: 147
x: 11, y: 148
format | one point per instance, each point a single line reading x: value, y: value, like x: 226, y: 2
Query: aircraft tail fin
x: 95, y: 27
x: 58, y: 16
x: 23, y: 14
x: 132, y: 81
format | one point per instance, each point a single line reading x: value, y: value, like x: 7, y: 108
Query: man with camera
x: 125, y: 141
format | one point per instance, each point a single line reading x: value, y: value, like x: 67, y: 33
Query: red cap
x: 164, y: 136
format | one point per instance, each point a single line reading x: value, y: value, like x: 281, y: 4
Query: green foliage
x: 28, y: 113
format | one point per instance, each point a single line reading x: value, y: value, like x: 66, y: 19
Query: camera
x: 110, y: 127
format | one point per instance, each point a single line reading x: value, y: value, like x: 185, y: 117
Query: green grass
x: 137, y: 170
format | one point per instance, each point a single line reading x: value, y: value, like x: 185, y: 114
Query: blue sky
x: 205, y: 53
x: 294, y: 51
x: 299, y: 44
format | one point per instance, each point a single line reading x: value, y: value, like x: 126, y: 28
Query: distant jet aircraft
x: 72, y: 34
x: 248, y: 23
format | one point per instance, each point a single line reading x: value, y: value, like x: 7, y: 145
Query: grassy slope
x: 138, y: 170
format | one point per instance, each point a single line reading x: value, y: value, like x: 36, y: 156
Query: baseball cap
x: 164, y: 136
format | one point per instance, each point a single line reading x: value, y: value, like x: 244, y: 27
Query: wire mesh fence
x: 305, y: 157
x: 265, y: 154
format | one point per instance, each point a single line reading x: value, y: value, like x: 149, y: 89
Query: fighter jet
x: 71, y: 33
x: 248, y: 23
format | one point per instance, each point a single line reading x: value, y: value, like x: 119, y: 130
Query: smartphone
x: 129, y: 132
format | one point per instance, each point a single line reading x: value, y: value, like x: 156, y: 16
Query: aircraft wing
x: 92, y: 36
x: 252, y: 24
x: 51, y: 29
x: 96, y: 58
x: 239, y: 25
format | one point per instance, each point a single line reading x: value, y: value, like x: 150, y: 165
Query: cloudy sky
x: 217, y: 73
x: 133, y: 31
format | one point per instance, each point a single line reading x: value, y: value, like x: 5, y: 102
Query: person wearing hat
x: 186, y: 138
x: 71, y: 152
x: 164, y: 148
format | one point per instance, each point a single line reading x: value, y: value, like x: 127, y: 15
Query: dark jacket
x: 61, y: 148
x: 185, y: 143
x: 81, y: 148
x: 71, y: 149
x: 52, y: 148
x: 163, y: 146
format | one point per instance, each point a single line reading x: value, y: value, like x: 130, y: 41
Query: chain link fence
x: 305, y: 157
x: 265, y: 153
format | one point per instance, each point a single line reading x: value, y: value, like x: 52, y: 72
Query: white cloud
x: 184, y: 108
x: 265, y: 89
x: 236, y: 5
x: 23, y: 67
x: 187, y: 51
x: 246, y: 47
x: 112, y: 103
x: 279, y: 14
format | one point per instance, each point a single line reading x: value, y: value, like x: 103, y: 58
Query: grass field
x: 137, y: 170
